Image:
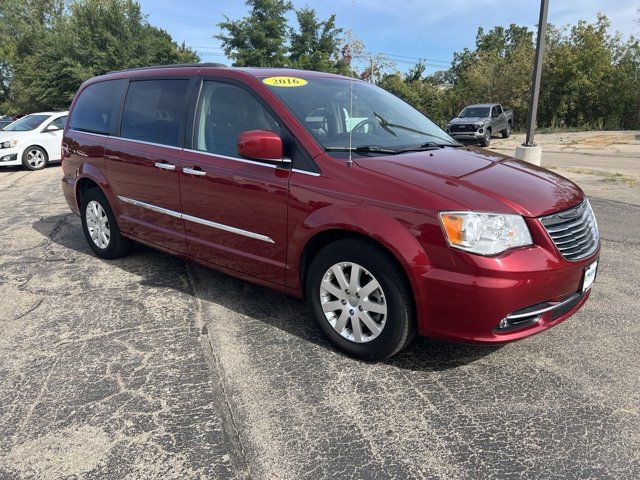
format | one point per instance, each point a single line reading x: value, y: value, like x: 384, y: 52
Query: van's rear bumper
x: 469, y: 306
x: 69, y: 190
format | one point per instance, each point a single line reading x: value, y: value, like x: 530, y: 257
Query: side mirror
x: 260, y: 145
x: 52, y: 128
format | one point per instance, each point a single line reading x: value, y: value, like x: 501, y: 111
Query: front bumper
x: 467, y: 135
x: 9, y: 156
x: 467, y: 304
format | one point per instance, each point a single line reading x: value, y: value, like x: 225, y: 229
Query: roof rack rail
x: 175, y: 65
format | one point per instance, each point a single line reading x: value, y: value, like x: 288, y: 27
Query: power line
x: 415, y: 58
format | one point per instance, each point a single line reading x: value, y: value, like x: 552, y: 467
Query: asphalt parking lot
x: 150, y: 367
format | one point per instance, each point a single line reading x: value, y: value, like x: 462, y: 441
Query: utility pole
x: 537, y: 74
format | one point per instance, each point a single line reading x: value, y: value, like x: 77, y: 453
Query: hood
x: 467, y: 120
x: 13, y: 135
x: 481, y: 180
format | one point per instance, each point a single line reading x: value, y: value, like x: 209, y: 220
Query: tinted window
x: 96, y: 109
x: 154, y: 111
x: 25, y: 124
x: 224, y: 112
x: 471, y: 112
x: 59, y: 122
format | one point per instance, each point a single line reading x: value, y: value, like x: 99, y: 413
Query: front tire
x: 34, y: 158
x: 361, y: 299
x: 486, y: 140
x: 100, y: 227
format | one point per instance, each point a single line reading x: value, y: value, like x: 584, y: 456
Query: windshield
x: 378, y: 118
x: 30, y: 122
x: 470, y: 112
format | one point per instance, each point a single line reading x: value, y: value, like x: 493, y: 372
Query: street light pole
x: 537, y: 73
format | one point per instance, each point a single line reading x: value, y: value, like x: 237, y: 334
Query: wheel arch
x: 88, y: 177
x: 378, y: 229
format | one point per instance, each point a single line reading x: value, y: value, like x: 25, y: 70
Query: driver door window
x: 224, y: 112
x: 58, y: 123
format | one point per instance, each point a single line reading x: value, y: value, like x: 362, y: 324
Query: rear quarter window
x: 96, y: 109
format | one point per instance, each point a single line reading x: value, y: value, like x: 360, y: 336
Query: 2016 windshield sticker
x: 285, y: 81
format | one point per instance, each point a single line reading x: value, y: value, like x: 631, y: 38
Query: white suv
x: 33, y: 141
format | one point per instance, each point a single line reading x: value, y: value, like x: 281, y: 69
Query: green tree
x: 23, y: 23
x: 259, y: 39
x: 91, y: 38
x: 315, y: 45
x: 498, y: 70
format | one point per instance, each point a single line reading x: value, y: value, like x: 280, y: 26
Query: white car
x: 33, y: 141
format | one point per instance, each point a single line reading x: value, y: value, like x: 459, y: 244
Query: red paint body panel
x: 132, y: 173
x: 394, y: 200
x: 243, y: 195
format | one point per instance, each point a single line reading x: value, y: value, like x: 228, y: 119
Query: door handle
x: 165, y: 166
x: 193, y: 171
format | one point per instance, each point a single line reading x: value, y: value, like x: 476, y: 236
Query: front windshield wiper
x: 386, y: 125
x: 362, y: 149
x: 429, y: 146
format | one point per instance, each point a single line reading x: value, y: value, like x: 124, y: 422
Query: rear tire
x: 100, y: 227
x: 353, y: 321
x: 506, y: 133
x: 34, y: 158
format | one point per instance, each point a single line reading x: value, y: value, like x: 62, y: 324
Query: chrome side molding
x: 201, y: 221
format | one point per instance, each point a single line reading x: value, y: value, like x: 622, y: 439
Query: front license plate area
x: 589, y: 276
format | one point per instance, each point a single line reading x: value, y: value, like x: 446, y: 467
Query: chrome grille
x: 574, y: 231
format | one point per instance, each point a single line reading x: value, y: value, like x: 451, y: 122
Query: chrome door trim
x: 149, y: 206
x: 172, y: 147
x: 201, y: 221
x: 305, y: 172
x: 285, y: 161
x: 227, y: 228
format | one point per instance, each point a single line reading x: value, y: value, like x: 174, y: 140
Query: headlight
x: 479, y: 124
x: 485, y: 233
x: 8, y: 144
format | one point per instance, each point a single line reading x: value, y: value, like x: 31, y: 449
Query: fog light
x: 9, y: 158
x: 480, y: 130
x: 503, y: 323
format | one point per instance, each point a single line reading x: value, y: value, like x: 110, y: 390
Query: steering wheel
x: 362, y: 123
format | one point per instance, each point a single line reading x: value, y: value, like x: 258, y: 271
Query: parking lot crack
x: 229, y: 422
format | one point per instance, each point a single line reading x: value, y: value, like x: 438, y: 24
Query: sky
x: 405, y: 29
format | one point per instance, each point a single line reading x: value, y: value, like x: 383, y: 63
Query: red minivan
x: 333, y: 189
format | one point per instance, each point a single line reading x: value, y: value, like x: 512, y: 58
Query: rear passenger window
x: 224, y: 112
x: 154, y: 111
x: 97, y: 107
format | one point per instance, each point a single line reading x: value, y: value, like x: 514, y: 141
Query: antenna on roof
x: 353, y: 16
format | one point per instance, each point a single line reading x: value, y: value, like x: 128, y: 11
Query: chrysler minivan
x: 332, y: 189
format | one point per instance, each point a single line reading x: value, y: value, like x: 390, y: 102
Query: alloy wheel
x: 35, y: 158
x: 353, y: 302
x: 98, y: 224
